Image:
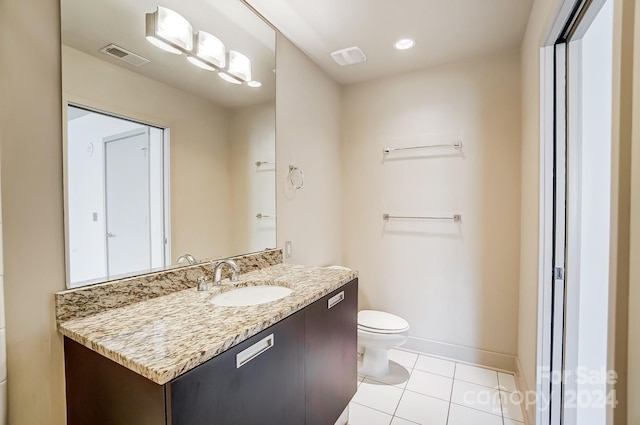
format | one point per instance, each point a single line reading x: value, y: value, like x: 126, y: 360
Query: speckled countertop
x: 164, y: 337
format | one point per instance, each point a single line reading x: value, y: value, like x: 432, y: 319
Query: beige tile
x: 378, y: 396
x: 507, y: 382
x: 476, y: 375
x: 430, y: 384
x: 511, y: 406
x: 403, y: 358
x: 435, y: 365
x: 363, y: 415
x: 399, y: 421
x: 476, y: 397
x: 460, y: 415
x: 422, y: 409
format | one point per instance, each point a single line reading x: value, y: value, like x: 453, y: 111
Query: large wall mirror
x: 169, y: 140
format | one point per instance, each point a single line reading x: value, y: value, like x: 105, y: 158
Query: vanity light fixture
x: 209, y: 51
x: 239, y: 66
x: 228, y: 78
x: 405, y: 43
x: 169, y: 31
x: 254, y: 84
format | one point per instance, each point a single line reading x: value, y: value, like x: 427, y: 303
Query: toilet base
x: 375, y: 362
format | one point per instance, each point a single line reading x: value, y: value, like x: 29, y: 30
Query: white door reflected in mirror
x: 117, y: 209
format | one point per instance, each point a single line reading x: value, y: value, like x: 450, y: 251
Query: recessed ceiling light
x: 405, y: 43
x: 254, y: 84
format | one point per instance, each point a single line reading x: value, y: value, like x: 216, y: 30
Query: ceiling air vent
x: 348, y: 56
x: 124, y: 55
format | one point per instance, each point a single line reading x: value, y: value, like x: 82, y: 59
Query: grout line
x: 497, y: 388
x: 369, y: 407
x: 431, y: 396
x: 404, y: 389
x: 453, y: 382
x: 438, y: 374
x: 478, y: 410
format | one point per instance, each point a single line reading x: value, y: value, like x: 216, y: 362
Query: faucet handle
x: 202, y: 284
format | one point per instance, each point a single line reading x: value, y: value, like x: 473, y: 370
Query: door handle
x: 110, y: 235
x: 248, y: 354
x: 335, y: 299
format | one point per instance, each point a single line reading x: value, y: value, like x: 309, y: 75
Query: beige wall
x: 199, y: 152
x: 32, y: 207
x: 3, y: 339
x: 453, y: 283
x: 634, y: 277
x: 619, y: 303
x: 308, y: 131
x: 252, y: 138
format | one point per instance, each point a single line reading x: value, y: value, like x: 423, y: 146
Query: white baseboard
x: 461, y: 353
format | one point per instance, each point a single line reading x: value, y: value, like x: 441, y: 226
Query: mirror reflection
x: 169, y: 136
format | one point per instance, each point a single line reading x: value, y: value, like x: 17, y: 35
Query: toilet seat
x: 380, y: 322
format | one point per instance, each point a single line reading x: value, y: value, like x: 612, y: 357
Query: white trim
x: 559, y: 234
x: 574, y: 221
x: 65, y: 190
x: 562, y: 14
x: 461, y: 353
x: 166, y: 155
x: 546, y: 231
x: 588, y: 18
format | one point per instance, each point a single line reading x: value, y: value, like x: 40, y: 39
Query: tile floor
x: 426, y: 390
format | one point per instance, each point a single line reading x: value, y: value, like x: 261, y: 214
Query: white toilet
x: 378, y: 332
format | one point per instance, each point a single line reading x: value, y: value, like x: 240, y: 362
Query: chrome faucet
x: 187, y: 257
x: 217, y: 269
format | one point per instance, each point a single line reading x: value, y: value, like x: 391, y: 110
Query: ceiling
x: 89, y: 26
x: 444, y: 30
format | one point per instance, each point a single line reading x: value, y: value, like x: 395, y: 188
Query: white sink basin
x: 250, y: 295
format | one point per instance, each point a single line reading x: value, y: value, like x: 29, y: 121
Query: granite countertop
x: 164, y: 337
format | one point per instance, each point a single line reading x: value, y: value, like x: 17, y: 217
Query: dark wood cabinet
x: 302, y: 370
x: 258, y: 382
x: 330, y: 354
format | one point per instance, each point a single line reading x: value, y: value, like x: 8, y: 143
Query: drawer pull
x: 336, y: 299
x: 248, y: 354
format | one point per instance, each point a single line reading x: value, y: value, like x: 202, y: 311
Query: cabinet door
x: 101, y: 392
x: 331, y: 347
x: 258, y: 382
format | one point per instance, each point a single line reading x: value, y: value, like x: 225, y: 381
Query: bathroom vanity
x: 187, y: 361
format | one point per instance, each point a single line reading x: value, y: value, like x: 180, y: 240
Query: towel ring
x: 295, y: 170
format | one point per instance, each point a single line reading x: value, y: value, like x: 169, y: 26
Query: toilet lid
x: 381, y: 322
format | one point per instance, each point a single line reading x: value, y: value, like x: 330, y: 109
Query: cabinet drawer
x: 258, y: 382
